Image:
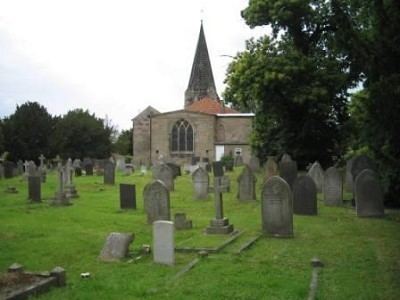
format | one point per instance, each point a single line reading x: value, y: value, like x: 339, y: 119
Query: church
x: 205, y: 129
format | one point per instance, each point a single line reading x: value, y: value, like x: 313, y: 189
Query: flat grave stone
x: 164, y: 242
x: 116, y: 246
x: 127, y: 196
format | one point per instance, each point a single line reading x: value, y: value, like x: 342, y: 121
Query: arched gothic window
x: 182, y: 137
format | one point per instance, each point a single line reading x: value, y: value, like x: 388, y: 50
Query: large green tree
x: 79, y: 134
x: 124, y: 143
x: 296, y: 86
x: 27, y: 132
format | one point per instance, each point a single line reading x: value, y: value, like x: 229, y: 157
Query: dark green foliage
x: 27, y: 132
x: 2, y: 149
x: 124, y: 143
x: 299, y: 100
x: 81, y: 134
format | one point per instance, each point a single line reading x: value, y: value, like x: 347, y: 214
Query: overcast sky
x: 112, y: 57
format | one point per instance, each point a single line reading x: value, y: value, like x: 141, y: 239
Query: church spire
x: 201, y: 82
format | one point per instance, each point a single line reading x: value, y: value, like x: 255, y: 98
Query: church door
x: 219, y: 152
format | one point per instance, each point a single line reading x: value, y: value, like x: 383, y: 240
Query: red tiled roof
x: 210, y: 106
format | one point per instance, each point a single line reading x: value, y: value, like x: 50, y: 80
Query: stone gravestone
x: 200, y: 184
x: 69, y: 187
x: 254, y: 163
x: 34, y: 188
x: 109, y: 172
x: 219, y: 225
x: 361, y: 163
x: 164, y: 242
x: 42, y: 168
x: 143, y: 170
x: 116, y: 246
x: 333, y: 187
x: 288, y: 169
x: 271, y: 168
x: 164, y: 173
x: 20, y: 167
x: 317, y: 174
x: 88, y: 165
x: 77, y: 167
x: 277, y: 208
x: 60, y: 197
x: 176, y: 170
x: 32, y: 169
x: 368, y: 195
x: 304, y: 196
x: 246, y: 185
x: 181, y: 222
x: 218, y: 169
x: 127, y: 196
x: 156, y: 202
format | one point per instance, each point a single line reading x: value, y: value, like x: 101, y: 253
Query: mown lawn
x: 361, y: 256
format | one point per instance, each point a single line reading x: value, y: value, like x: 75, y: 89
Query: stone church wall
x: 204, y: 129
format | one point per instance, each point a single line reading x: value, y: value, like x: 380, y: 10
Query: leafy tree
x: 296, y: 87
x: 27, y: 132
x: 80, y: 134
x: 2, y: 149
x: 124, y: 143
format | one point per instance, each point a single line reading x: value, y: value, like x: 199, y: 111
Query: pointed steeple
x: 201, y: 82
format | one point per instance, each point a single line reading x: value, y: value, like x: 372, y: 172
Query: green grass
x: 361, y: 256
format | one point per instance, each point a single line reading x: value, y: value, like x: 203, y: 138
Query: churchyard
x: 361, y: 256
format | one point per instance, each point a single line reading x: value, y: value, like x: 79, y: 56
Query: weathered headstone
x: 60, y: 197
x: 116, y: 246
x: 271, y: 168
x: 218, y: 169
x: 317, y: 174
x: 164, y: 173
x: 181, y: 222
x: 176, y: 169
x: 20, y: 167
x: 333, y: 187
x: 34, y: 188
x: 200, y: 184
x: 156, y: 201
x: 277, y: 208
x: 109, y: 172
x: 368, y: 195
x: 254, y: 163
x: 164, y: 242
x: 288, y: 169
x: 127, y: 196
x: 88, y: 165
x: 77, y: 165
x: 304, y: 196
x: 32, y: 169
x: 69, y: 187
x: 219, y: 225
x: 246, y: 185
